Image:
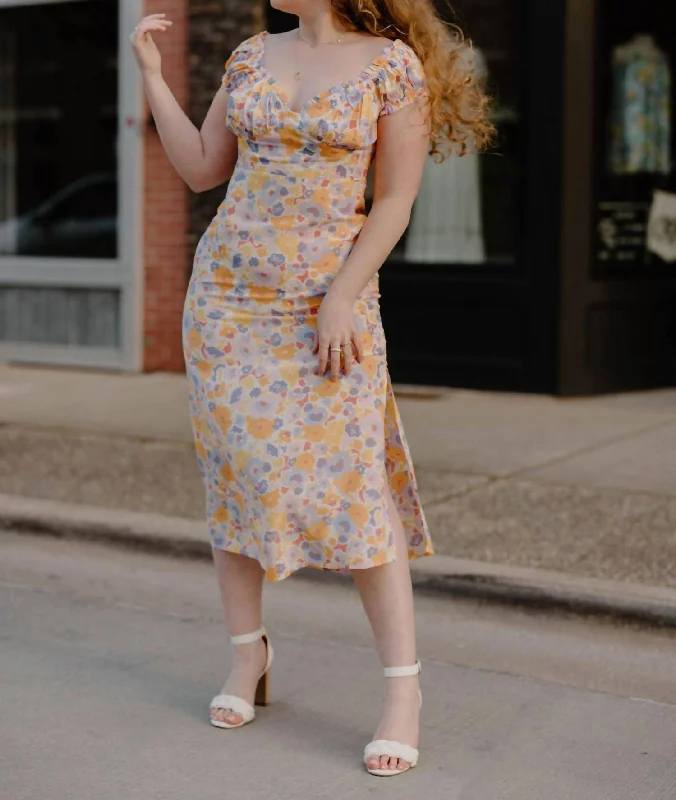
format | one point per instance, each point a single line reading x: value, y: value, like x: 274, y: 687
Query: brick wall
x: 194, y: 51
x: 165, y: 211
x: 216, y: 28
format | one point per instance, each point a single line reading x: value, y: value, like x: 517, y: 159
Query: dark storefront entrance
x: 497, y: 283
x: 465, y: 298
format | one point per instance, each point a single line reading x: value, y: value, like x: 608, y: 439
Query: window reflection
x: 58, y: 129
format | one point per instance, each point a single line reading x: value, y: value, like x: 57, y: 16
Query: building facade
x: 544, y: 265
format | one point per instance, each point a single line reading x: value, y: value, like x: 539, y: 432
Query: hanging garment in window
x: 641, y: 112
x: 446, y: 219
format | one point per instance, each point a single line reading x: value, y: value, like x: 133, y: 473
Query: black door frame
x: 618, y: 331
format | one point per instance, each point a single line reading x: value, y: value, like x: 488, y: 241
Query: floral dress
x: 297, y: 466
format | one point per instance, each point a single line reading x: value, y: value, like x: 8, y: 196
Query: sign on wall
x: 621, y: 233
x: 662, y: 226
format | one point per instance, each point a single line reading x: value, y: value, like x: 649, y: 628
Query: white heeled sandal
x: 230, y: 702
x: 384, y: 747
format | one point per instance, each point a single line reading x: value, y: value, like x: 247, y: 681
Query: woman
x: 302, y: 468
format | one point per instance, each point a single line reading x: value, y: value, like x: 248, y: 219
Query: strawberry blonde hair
x: 458, y: 103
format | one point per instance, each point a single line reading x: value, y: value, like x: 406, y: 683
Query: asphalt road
x: 109, y: 660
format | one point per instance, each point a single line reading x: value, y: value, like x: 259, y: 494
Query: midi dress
x: 296, y: 466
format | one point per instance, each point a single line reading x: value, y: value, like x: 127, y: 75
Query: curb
x: 498, y: 583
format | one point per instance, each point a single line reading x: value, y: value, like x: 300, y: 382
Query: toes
x: 391, y: 764
x: 388, y: 763
x: 226, y: 716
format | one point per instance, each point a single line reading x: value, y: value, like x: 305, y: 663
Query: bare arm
x: 403, y: 143
x: 203, y: 158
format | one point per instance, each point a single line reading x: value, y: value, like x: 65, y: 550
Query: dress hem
x: 272, y: 575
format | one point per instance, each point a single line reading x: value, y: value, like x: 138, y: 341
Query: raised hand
x: 145, y: 49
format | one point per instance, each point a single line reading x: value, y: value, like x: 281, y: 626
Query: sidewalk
x: 584, y: 486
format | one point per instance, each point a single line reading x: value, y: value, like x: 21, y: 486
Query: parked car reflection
x: 80, y: 220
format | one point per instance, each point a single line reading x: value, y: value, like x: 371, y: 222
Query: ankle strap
x: 247, y: 638
x: 402, y: 672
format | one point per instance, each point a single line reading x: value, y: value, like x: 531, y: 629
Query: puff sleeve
x: 239, y: 67
x: 404, y: 80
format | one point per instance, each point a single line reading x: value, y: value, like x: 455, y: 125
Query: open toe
x: 230, y: 711
x: 233, y: 718
x: 384, y: 757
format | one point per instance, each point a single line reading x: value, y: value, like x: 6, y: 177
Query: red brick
x: 166, y: 212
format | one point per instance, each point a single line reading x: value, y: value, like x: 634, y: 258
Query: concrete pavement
x: 110, y: 660
x: 582, y: 486
x: 616, y: 441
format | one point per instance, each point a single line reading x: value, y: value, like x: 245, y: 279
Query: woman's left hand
x: 337, y: 328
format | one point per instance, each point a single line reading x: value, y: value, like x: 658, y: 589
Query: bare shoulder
x: 280, y: 39
x: 375, y: 45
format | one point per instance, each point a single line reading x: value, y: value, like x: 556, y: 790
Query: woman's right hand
x: 145, y: 49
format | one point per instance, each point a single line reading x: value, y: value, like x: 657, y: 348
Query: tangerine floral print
x: 296, y: 466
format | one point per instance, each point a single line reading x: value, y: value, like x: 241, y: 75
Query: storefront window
x: 58, y: 129
x: 635, y: 228
x: 468, y: 208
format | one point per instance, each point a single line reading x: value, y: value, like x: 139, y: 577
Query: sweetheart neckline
x: 325, y: 92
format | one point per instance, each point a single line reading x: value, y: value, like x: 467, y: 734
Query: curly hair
x: 459, y: 105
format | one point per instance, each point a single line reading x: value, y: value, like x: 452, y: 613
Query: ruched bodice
x: 307, y: 209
